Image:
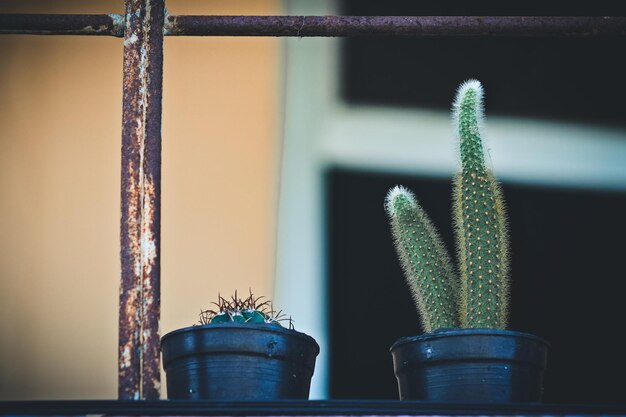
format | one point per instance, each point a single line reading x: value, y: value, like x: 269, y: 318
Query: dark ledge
x: 297, y: 408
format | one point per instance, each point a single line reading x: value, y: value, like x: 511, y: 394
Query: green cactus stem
x: 255, y: 316
x: 480, y: 221
x: 426, y: 263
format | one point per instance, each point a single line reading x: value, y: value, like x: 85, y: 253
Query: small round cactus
x: 478, y: 295
x: 243, y: 310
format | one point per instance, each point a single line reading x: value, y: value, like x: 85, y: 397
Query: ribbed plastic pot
x: 470, y: 365
x: 233, y: 361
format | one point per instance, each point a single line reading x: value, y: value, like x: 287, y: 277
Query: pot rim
x: 464, y: 332
x: 263, y: 327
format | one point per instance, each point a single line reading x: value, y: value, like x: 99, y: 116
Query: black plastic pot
x: 470, y: 365
x: 233, y: 361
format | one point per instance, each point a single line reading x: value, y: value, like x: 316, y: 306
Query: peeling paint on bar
x: 62, y: 24
x: 324, y: 26
x: 328, y: 26
x: 139, y: 376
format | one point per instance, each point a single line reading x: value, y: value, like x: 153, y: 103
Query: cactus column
x: 479, y: 296
x: 426, y: 263
x: 480, y: 221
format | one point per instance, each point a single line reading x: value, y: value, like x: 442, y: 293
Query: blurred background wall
x: 60, y: 139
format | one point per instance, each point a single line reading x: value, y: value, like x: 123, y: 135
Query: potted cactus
x: 466, y: 353
x: 240, y: 351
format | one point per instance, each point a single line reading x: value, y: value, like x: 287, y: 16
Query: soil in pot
x: 470, y: 365
x: 233, y: 361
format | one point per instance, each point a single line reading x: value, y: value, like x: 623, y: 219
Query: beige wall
x: 60, y: 131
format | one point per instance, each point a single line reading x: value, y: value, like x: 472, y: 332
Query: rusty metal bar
x: 329, y: 26
x: 139, y: 362
x: 303, y: 26
x: 62, y: 24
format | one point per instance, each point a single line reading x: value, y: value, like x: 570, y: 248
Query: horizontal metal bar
x: 325, y: 26
x: 328, y: 408
x: 62, y: 24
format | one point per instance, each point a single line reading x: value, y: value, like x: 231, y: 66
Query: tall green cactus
x: 479, y: 296
x: 480, y: 221
x: 426, y: 263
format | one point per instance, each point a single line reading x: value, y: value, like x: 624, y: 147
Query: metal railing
x: 143, y: 27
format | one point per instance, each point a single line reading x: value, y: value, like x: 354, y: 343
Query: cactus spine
x: 426, y: 263
x: 480, y: 221
x: 478, y: 297
x: 253, y: 310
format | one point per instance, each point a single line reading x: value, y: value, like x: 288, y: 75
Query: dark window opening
x: 571, y: 79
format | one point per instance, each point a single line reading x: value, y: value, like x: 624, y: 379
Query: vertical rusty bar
x: 139, y: 365
x: 151, y: 222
